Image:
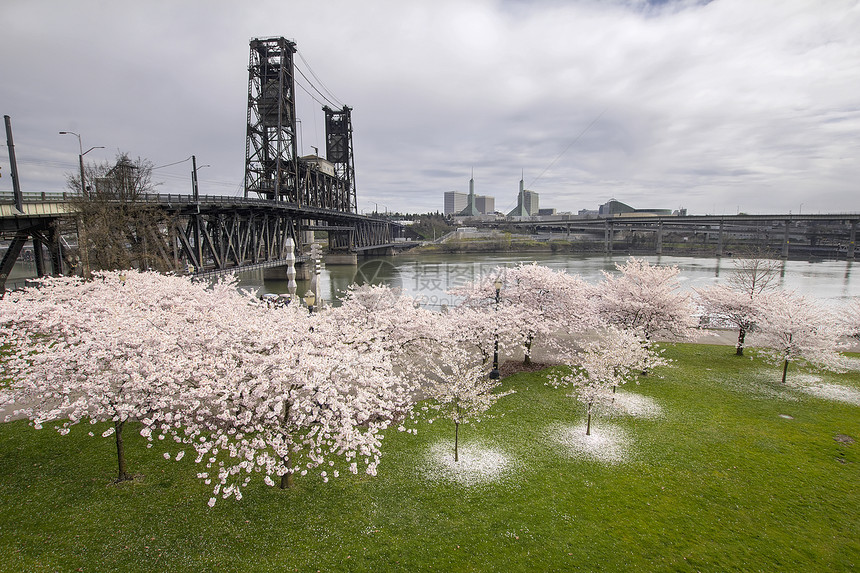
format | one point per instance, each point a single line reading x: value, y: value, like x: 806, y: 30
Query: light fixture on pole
x: 494, y: 374
x: 194, y: 168
x: 310, y: 298
x: 81, y: 157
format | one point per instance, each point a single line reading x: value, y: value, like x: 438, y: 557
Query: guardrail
x: 39, y: 197
x: 170, y: 199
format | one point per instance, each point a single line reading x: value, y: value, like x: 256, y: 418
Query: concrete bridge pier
x: 660, y: 238
x: 785, y: 240
x: 343, y: 258
x: 720, y: 240
x: 607, y: 237
x: 380, y: 252
x: 275, y: 274
x: 852, y: 240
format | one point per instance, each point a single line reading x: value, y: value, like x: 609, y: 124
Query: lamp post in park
x: 494, y: 374
x: 81, y: 157
x: 82, y: 238
x: 310, y: 299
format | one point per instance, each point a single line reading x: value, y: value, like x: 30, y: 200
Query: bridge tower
x: 338, y: 129
x: 271, y: 159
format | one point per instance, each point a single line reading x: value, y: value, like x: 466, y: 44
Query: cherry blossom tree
x: 460, y: 387
x: 479, y: 329
x: 545, y: 302
x: 646, y: 299
x: 739, y: 303
x: 302, y: 399
x: 112, y: 349
x: 251, y: 389
x: 797, y: 329
x: 387, y: 318
x: 725, y: 306
x: 614, y: 358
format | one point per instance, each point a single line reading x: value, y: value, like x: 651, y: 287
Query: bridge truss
x: 204, y: 235
x: 273, y: 168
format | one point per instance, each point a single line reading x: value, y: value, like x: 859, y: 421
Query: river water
x: 430, y: 276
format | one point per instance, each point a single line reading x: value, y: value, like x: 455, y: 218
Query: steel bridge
x: 206, y: 235
x: 285, y: 196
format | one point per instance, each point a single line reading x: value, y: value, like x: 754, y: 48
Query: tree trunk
x: 646, y: 344
x: 528, y: 358
x: 588, y: 425
x: 120, y: 452
x: 456, y: 440
x: 739, y: 349
x: 287, y: 478
x: 784, y: 370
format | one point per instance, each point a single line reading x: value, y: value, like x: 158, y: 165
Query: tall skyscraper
x: 455, y: 202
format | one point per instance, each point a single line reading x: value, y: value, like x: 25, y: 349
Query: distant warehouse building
x: 614, y: 208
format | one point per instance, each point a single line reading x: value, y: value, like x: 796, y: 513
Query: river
x: 430, y: 276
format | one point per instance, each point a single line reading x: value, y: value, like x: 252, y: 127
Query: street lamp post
x: 310, y: 298
x: 494, y: 374
x: 194, y: 191
x: 82, y: 238
x: 81, y: 157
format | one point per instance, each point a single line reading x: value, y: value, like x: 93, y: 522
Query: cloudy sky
x: 719, y: 107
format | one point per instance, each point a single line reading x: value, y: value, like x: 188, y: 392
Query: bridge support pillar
x: 304, y: 271
x: 852, y: 240
x: 275, y: 274
x: 39, y: 257
x: 10, y: 256
x: 660, y: 238
x: 607, y: 237
x: 785, y: 240
x: 341, y: 259
x: 720, y: 240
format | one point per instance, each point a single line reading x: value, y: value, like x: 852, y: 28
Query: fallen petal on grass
x: 606, y: 444
x: 834, y: 392
x: 477, y: 463
x: 637, y: 405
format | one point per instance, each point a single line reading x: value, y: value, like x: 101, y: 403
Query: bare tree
x: 755, y: 273
x: 740, y: 301
x: 117, y: 227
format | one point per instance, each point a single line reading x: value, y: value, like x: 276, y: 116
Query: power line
x: 174, y: 163
x: 322, y: 95
x: 311, y: 70
x: 569, y: 145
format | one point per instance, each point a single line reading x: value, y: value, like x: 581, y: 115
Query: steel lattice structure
x: 338, y: 129
x: 273, y: 169
x: 271, y: 161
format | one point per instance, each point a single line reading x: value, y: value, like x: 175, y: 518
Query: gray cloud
x: 716, y: 107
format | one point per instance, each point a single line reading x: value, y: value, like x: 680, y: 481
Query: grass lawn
x: 733, y: 473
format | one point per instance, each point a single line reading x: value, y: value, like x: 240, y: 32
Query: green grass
x: 721, y: 482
